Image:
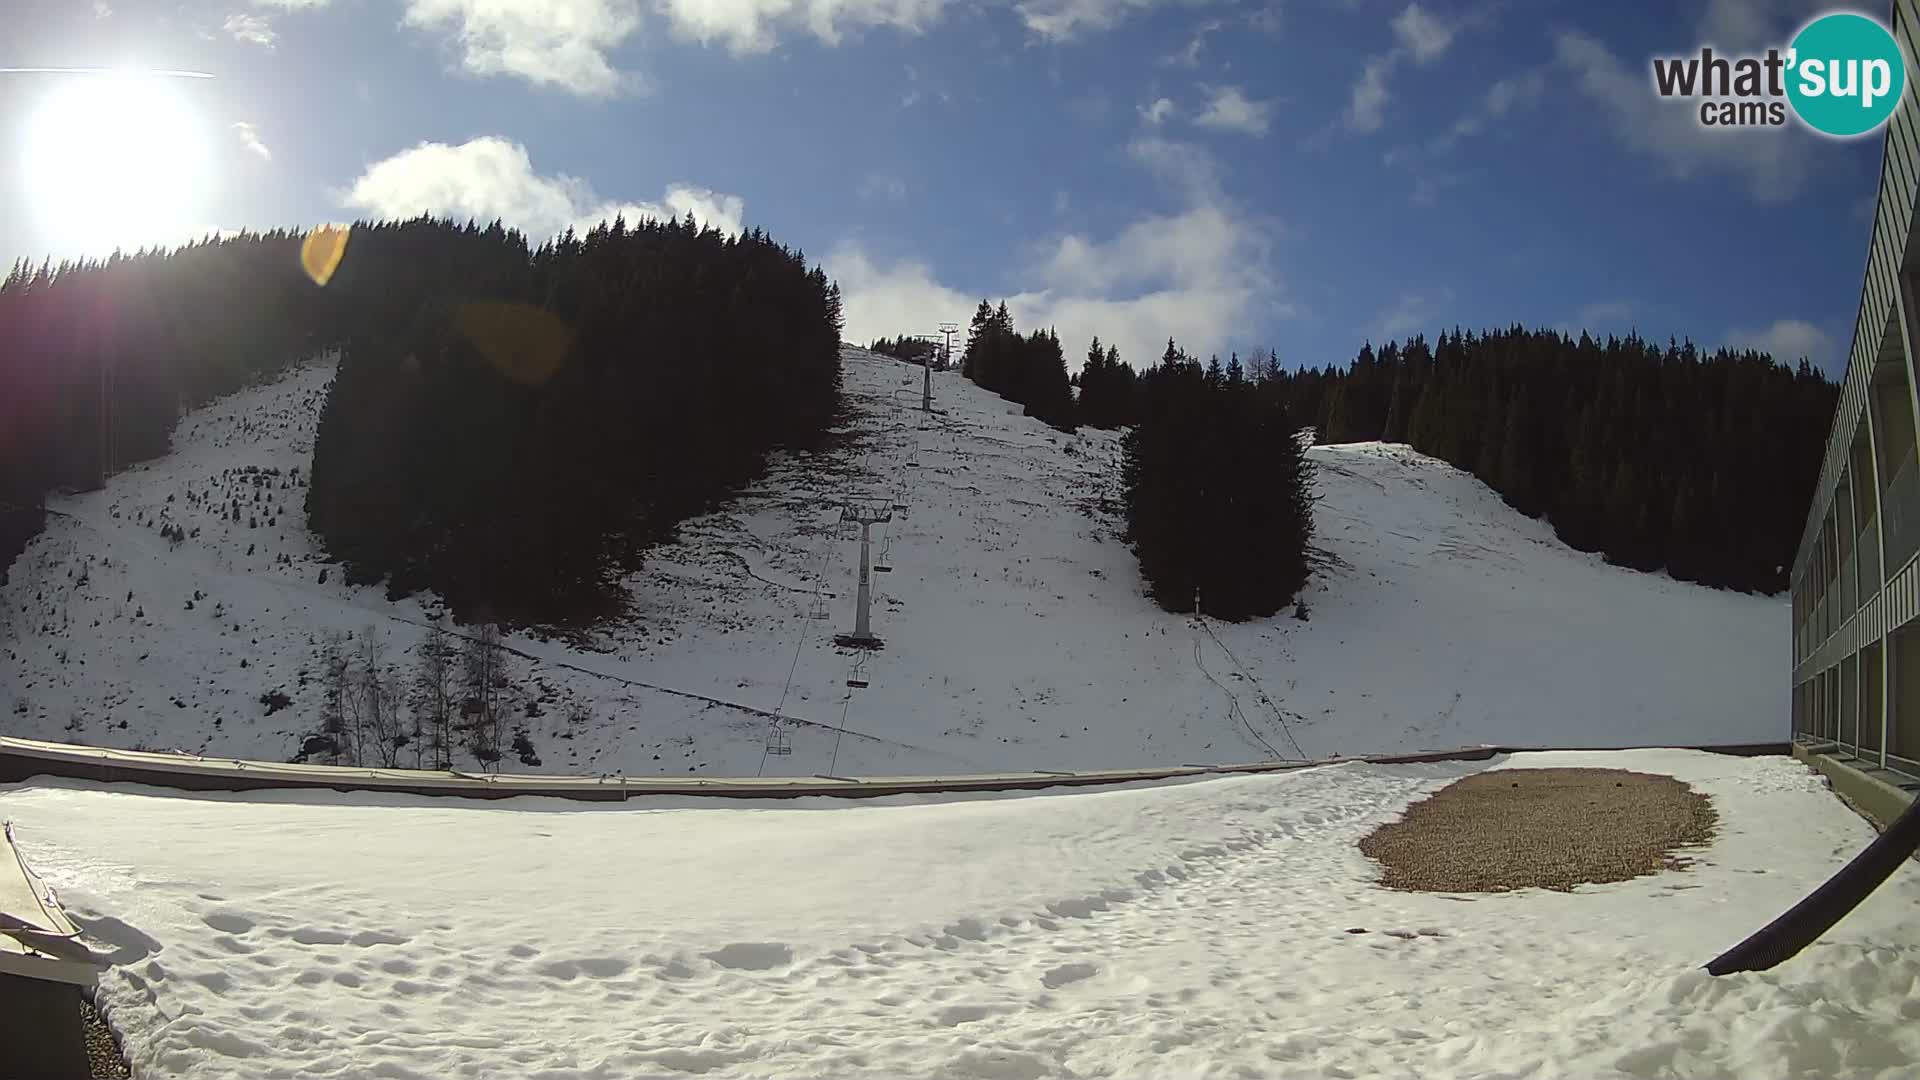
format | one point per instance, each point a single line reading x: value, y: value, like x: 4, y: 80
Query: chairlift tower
x: 947, y: 330
x: 862, y: 636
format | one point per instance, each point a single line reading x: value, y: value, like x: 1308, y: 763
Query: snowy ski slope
x: 1017, y: 635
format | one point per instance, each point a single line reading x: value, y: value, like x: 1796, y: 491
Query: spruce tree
x: 1049, y: 397
x: 1515, y: 473
x: 1218, y: 495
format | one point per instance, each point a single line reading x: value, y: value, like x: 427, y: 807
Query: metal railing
x: 1867, y: 547
x: 1901, y: 507
x: 1849, y: 587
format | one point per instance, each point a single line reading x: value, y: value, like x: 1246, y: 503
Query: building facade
x: 1855, y: 582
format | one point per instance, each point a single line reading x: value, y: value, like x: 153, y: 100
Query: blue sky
x: 1301, y: 174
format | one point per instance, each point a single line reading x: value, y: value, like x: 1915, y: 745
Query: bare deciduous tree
x: 335, y: 692
x: 482, y: 665
x: 379, y: 713
x: 435, y: 689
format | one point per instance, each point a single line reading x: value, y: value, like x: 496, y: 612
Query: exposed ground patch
x: 1541, y: 828
x: 104, y: 1058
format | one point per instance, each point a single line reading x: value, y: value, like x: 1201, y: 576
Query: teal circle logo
x: 1845, y: 74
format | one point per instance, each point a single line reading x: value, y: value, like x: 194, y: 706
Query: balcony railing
x: 1867, y: 547
x: 1848, y: 592
x: 1902, y: 521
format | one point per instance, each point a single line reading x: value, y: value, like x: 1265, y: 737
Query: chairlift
x: 857, y: 683
x: 777, y: 742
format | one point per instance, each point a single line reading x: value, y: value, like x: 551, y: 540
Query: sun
x: 116, y: 160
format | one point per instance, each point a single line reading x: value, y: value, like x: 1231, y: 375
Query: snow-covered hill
x: 1016, y: 631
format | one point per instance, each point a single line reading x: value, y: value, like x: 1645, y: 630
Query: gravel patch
x: 103, y: 1054
x: 1541, y: 829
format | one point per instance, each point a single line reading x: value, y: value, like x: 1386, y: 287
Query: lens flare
x: 525, y: 343
x: 321, y: 252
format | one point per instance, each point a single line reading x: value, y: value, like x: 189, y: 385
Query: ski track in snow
x: 1186, y: 930
x: 1018, y: 635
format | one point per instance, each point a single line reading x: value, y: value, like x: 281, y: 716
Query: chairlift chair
x: 777, y: 742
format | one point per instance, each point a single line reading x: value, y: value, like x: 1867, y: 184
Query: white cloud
x: 557, y: 43
x: 1788, y: 340
x: 1182, y: 166
x: 1604, y: 314
x: 1189, y: 56
x: 566, y: 43
x: 1421, y: 34
x: 1367, y: 108
x: 1058, y: 20
x: 258, y: 29
x: 1505, y: 96
x: 880, y: 301
x: 880, y: 185
x: 491, y: 177
x: 250, y: 138
x: 1157, y: 113
x: 754, y: 26
x: 1426, y: 163
x: 102, y: 10
x: 1740, y: 25
x: 1410, y: 314
x: 1200, y: 274
x: 1229, y: 109
x: 1772, y: 166
x: 1179, y: 248
x: 251, y: 29
x: 1522, y: 89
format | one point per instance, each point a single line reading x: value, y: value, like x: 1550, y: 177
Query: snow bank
x: 1198, y: 929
